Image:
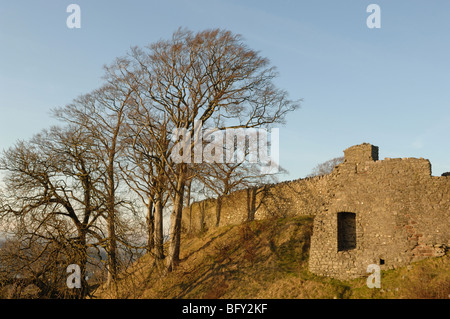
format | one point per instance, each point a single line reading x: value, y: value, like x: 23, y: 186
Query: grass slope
x: 268, y: 259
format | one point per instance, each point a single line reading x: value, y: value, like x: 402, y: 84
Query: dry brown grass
x: 268, y: 259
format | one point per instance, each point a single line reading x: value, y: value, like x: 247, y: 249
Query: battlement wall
x: 299, y: 197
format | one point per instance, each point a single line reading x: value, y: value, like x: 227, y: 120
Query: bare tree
x: 227, y: 174
x: 145, y: 168
x: 209, y: 76
x: 327, y: 167
x: 224, y: 178
x: 51, y: 195
x: 102, y: 113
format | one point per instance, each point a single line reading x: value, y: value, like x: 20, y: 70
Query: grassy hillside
x: 269, y: 259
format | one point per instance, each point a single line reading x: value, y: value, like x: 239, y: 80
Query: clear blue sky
x: 387, y: 86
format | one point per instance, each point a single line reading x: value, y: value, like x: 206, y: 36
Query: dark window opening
x: 346, y: 231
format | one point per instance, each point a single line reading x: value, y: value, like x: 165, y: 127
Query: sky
x: 387, y: 86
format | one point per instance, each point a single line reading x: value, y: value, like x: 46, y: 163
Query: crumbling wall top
x: 361, y: 153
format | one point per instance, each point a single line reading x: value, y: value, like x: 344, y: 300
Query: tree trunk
x: 188, y: 202
x: 81, y: 261
x: 158, y: 224
x: 218, y: 210
x: 202, y: 207
x: 111, y: 224
x: 175, y: 221
x: 190, y: 219
x: 150, y: 225
x: 251, y: 203
x: 112, y: 250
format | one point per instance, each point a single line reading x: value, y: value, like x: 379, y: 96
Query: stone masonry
x: 367, y: 211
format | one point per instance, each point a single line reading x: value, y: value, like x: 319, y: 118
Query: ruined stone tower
x: 367, y: 211
x: 388, y: 213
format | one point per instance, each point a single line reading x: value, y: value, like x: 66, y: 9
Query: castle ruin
x: 387, y: 212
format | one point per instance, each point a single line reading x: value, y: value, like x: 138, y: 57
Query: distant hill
x: 269, y: 259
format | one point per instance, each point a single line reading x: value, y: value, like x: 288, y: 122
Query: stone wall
x: 396, y: 212
x: 299, y: 197
x: 402, y: 214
